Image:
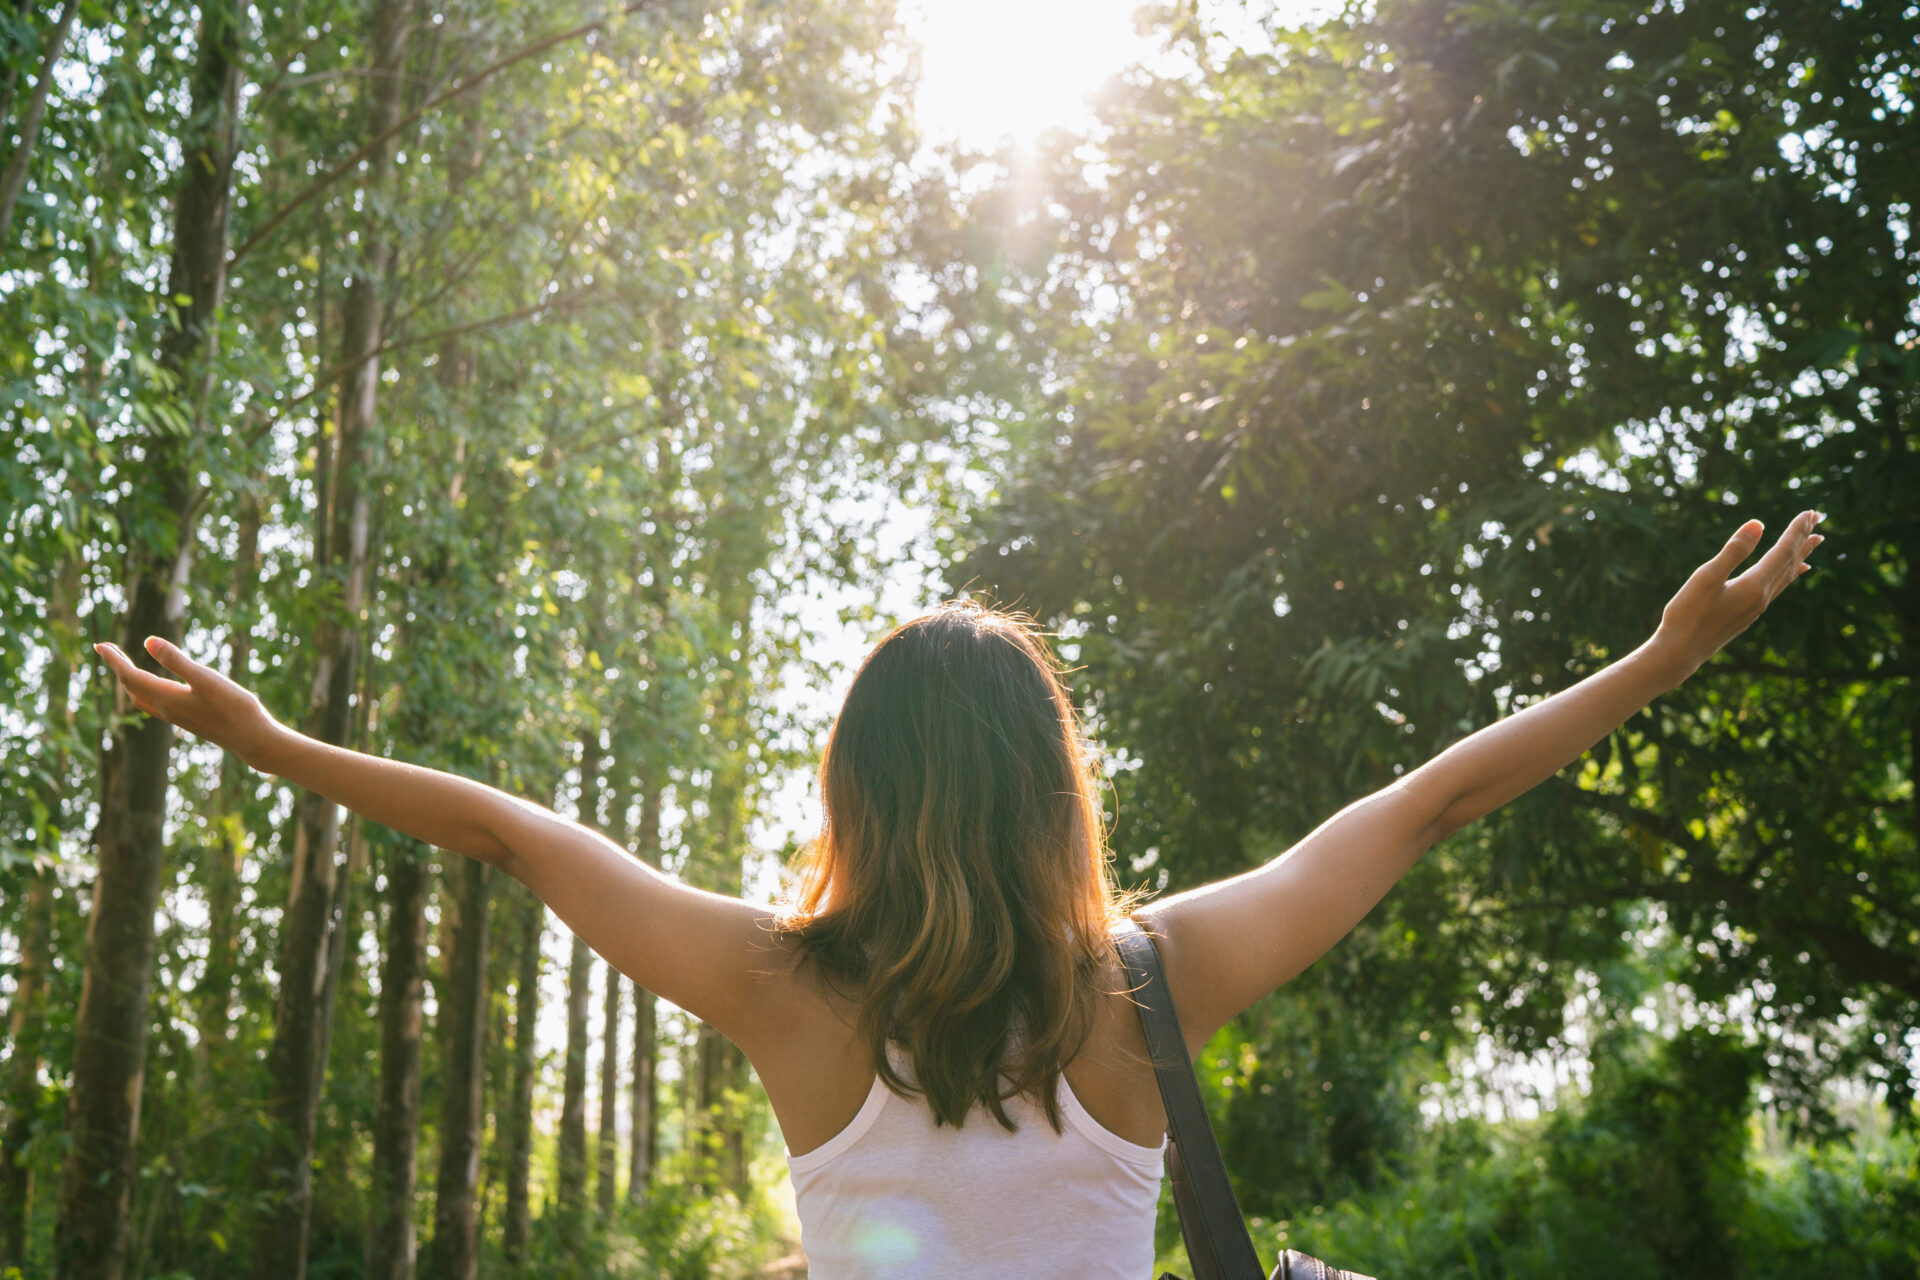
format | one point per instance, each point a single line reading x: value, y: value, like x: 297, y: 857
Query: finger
x: 170, y: 657
x: 1785, y: 553
x: 110, y: 654
x: 1738, y: 548
x: 121, y: 665
x: 141, y: 685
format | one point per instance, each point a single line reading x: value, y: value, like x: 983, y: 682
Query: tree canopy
x: 1393, y: 375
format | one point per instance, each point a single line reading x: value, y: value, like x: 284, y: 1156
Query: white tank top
x: 894, y: 1196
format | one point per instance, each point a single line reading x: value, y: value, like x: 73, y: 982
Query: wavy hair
x: 959, y: 891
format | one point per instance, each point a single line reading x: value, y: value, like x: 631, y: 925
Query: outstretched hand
x: 207, y: 705
x: 1714, y: 607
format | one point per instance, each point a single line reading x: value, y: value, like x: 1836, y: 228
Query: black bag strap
x: 1218, y: 1246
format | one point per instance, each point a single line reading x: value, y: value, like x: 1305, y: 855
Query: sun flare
x: 994, y: 70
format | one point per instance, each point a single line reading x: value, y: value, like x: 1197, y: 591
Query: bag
x: 1218, y: 1246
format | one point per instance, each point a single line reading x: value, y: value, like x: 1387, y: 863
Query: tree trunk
x: 608, y: 1163
x: 573, y: 1103
x: 454, y: 1253
x: 526, y: 1013
x: 110, y: 1028
x: 214, y: 994
x: 15, y: 178
x: 496, y: 1076
x: 26, y: 1022
x: 23, y: 1095
x: 644, y: 1109
x: 307, y: 947
x: 396, y: 1129
x: 720, y: 1075
x: 721, y: 1066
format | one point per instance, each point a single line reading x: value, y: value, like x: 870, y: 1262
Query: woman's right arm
x: 702, y: 951
x: 1230, y: 943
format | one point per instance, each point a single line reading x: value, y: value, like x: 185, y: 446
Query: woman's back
x: 894, y: 1194
x: 882, y: 1190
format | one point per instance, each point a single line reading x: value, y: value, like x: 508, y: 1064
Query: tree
x: 644, y: 1109
x: 607, y: 1146
x: 1396, y: 376
x: 396, y: 1134
x: 518, y: 1229
x: 341, y: 557
x: 14, y: 179
x: 111, y: 1025
x: 573, y: 1109
x: 454, y: 1252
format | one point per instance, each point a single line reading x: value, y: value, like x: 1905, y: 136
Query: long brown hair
x: 959, y: 889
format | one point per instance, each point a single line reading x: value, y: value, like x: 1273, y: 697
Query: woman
x: 938, y: 1017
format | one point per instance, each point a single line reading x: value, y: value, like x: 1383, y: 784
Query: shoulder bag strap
x: 1218, y: 1246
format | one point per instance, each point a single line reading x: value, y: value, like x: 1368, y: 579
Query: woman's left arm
x: 1232, y: 942
x: 707, y: 953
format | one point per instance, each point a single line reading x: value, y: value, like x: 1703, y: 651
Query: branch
x: 1851, y: 675
x: 328, y: 377
x: 559, y: 302
x: 321, y: 28
x: 16, y: 176
x: 454, y: 273
x: 331, y: 376
x: 1848, y: 949
x: 373, y: 144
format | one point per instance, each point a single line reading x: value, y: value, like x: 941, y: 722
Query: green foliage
x: 1383, y: 380
x: 1660, y: 1170
x: 686, y: 1233
x: 633, y: 360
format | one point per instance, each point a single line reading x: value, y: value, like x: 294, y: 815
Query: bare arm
x: 704, y: 952
x: 1230, y: 943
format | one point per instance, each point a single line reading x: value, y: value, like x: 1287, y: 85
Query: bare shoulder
x: 1112, y: 1075
x: 805, y: 1044
x: 1188, y: 934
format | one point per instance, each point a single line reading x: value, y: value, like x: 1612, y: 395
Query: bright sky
x: 992, y: 69
x: 998, y: 69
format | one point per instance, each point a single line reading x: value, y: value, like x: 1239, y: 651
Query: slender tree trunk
x: 110, y: 1028
x: 12, y: 78
x: 454, y: 1253
x: 607, y: 1144
x: 496, y: 1077
x: 214, y: 993
x: 720, y: 1073
x: 23, y: 1095
x: 344, y: 923
x: 645, y: 1109
x: 396, y: 1128
x: 15, y: 178
x: 608, y: 1163
x: 644, y: 1105
x: 722, y: 1067
x: 526, y: 1013
x: 307, y: 950
x: 573, y: 1102
x: 26, y: 1021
